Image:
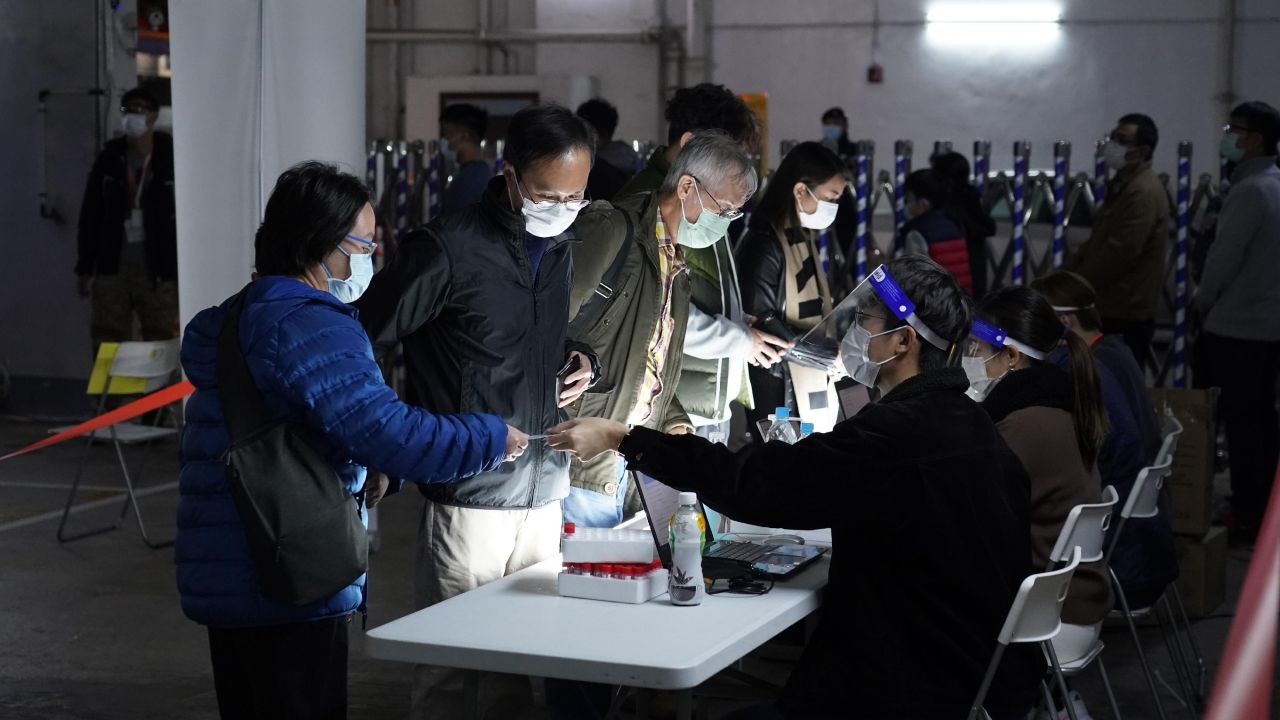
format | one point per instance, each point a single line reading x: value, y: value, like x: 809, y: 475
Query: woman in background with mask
x: 1055, y: 422
x: 313, y: 365
x: 784, y: 275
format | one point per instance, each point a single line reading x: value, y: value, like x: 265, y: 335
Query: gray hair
x: 715, y: 159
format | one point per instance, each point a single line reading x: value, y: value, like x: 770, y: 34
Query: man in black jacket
x: 128, y: 259
x: 929, y: 513
x: 480, y: 299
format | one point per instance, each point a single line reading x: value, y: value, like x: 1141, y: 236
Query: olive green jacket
x: 622, y: 328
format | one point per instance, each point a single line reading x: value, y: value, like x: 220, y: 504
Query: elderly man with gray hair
x: 630, y: 303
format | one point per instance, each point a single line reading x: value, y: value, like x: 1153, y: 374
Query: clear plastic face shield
x: 986, y: 341
x: 845, y: 342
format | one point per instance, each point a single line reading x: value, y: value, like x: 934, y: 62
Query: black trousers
x: 1246, y: 371
x: 281, y: 672
x: 1137, y: 335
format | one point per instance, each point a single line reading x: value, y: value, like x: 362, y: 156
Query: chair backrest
x: 1144, y: 498
x: 1172, y: 430
x: 1086, y: 528
x: 1036, y: 614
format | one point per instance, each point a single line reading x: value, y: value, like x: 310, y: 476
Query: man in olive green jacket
x: 1126, y: 254
x: 630, y: 299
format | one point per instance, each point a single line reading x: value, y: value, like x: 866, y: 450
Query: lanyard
x: 138, y: 184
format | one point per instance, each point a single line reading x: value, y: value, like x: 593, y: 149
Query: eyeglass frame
x: 368, y: 243
x: 729, y: 214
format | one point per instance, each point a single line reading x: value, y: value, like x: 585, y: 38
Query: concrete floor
x: 92, y: 629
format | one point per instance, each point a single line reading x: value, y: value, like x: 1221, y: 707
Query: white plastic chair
x: 1085, y: 530
x: 1036, y: 616
x: 136, y: 368
x: 1172, y: 429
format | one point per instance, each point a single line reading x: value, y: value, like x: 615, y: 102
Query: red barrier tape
x: 157, y: 399
x: 1242, y: 689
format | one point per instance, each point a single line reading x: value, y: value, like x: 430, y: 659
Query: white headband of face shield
x: 997, y: 338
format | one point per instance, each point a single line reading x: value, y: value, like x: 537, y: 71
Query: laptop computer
x: 776, y: 560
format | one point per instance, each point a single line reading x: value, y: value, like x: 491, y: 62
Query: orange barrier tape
x: 157, y: 399
x: 1242, y: 689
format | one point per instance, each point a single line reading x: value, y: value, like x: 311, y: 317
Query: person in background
x: 615, y: 160
x: 784, y: 284
x: 462, y: 128
x: 963, y: 205
x: 930, y: 231
x: 128, y: 248
x: 1126, y: 253
x: 720, y: 341
x: 314, y: 366
x: 1054, y: 420
x: 1144, y: 559
x: 922, y: 476
x: 480, y: 300
x: 835, y: 133
x: 1238, y: 304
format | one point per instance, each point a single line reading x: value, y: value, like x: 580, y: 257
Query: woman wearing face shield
x: 313, y: 365
x: 929, y: 503
x: 785, y: 280
x: 1055, y: 422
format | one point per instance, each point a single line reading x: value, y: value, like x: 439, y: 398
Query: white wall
x: 44, y: 326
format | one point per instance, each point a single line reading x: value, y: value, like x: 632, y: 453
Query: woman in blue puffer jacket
x: 313, y: 363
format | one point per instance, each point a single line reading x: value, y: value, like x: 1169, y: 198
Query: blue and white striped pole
x: 433, y: 179
x: 498, y: 161
x: 402, y: 189
x: 371, y: 170
x: 1061, y: 168
x: 1180, y: 276
x: 981, y: 163
x: 1021, y: 157
x: 862, y: 159
x: 1224, y: 175
x: 902, y: 151
x: 1099, y: 174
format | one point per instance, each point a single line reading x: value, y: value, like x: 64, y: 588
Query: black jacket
x: 106, y: 208
x: 929, y: 517
x: 481, y: 335
x: 761, y: 265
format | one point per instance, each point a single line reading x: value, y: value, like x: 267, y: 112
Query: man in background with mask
x: 631, y: 293
x: 462, y: 129
x: 128, y: 262
x: 1125, y: 255
x: 1238, y: 347
x: 480, y: 300
x: 930, y: 231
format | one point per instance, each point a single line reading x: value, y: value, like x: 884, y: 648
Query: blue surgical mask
x: 361, y: 274
x: 704, y: 233
x: 832, y: 132
x: 449, y: 152
x: 1229, y: 147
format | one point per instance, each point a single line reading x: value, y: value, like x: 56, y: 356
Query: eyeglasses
x: 861, y: 317
x: 367, y: 243
x: 573, y: 204
x: 1232, y: 127
x: 136, y: 109
x: 726, y: 213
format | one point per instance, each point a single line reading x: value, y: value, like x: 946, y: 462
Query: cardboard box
x: 1203, y: 571
x: 1191, y: 483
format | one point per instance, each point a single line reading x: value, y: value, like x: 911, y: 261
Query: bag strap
x: 595, y: 304
x: 242, y: 403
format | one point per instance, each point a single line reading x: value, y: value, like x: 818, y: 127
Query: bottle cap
x: 804, y: 428
x: 688, y: 498
x: 782, y: 413
x: 569, y: 528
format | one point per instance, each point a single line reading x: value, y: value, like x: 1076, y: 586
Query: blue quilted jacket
x: 313, y: 363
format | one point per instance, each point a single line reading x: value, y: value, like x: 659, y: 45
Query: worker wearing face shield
x: 921, y: 475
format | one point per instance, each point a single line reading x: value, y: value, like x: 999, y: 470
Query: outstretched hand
x: 587, y: 438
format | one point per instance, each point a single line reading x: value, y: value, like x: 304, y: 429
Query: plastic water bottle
x: 783, y: 429
x: 806, y: 429
x: 687, y: 533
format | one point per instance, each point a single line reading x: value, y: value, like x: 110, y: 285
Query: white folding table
x: 520, y: 625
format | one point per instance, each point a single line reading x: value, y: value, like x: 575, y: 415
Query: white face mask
x: 975, y: 368
x: 547, y: 220
x: 134, y: 125
x: 819, y: 219
x: 1113, y: 155
x: 361, y: 274
x: 853, y: 352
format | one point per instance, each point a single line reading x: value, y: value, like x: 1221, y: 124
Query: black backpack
x: 303, y: 528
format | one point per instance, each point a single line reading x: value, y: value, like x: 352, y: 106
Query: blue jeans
x: 588, y: 508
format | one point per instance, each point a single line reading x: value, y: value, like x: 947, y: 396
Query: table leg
x: 684, y: 705
x: 471, y: 694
